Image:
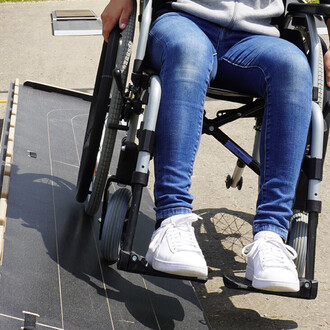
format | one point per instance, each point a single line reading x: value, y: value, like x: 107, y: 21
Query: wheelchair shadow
x: 41, y: 203
x: 222, y: 230
x: 137, y: 299
x: 222, y: 234
x: 225, y: 231
x: 142, y: 304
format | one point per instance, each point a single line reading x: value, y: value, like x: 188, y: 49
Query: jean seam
x: 207, y: 82
x: 244, y: 66
x: 166, y: 213
x: 162, y: 44
x: 266, y: 123
x: 268, y: 227
x: 266, y: 105
x: 160, y: 41
x: 266, y: 136
x: 219, y: 44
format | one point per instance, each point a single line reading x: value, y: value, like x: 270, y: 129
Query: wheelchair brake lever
x: 116, y: 73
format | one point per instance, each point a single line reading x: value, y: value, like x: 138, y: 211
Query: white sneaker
x: 174, y: 249
x: 270, y: 263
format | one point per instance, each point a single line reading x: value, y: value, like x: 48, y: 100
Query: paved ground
x: 28, y: 51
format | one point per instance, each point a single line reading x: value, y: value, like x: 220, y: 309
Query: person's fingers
x: 327, y: 67
x: 108, y: 23
x: 328, y: 78
x: 125, y: 16
x: 116, y: 12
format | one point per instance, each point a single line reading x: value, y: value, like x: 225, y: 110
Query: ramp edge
x: 60, y: 90
x: 7, y: 153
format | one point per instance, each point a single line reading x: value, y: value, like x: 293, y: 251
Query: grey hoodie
x: 252, y: 16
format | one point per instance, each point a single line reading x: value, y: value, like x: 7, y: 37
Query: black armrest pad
x: 313, y: 9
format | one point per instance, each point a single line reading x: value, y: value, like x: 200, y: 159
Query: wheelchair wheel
x: 304, y: 44
x: 97, y: 152
x: 321, y: 82
x: 117, y: 212
x: 106, y: 148
x: 97, y: 115
x: 298, y: 240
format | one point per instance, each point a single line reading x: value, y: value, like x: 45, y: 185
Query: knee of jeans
x: 190, y: 55
x: 294, y: 69
x: 300, y: 66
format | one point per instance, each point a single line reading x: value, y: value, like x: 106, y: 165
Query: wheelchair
x: 133, y: 108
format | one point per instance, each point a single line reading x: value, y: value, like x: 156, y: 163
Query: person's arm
x: 116, y: 12
x: 327, y: 54
x: 327, y: 57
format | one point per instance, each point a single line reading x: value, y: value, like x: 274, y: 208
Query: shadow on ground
x: 221, y: 235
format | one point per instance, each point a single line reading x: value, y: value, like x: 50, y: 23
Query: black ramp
x: 51, y: 264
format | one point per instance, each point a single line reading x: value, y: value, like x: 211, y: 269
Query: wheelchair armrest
x: 312, y: 9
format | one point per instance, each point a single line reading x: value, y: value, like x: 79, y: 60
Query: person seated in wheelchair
x: 192, y: 42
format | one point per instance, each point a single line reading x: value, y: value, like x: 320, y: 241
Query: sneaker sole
x: 179, y: 269
x: 275, y: 286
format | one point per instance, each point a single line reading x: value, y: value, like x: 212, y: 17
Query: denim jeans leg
x: 185, y: 59
x: 279, y: 72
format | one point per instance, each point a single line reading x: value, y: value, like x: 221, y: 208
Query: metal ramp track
x: 52, y: 269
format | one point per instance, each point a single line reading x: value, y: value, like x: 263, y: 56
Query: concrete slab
x: 29, y: 51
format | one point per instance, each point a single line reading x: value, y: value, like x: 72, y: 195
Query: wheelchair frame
x: 133, y: 165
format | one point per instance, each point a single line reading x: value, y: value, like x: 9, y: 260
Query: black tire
x: 97, y: 154
x: 299, y: 222
x: 97, y: 114
x: 321, y: 80
x: 298, y: 240
x: 106, y: 148
x: 117, y: 212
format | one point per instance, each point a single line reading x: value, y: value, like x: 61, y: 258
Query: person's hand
x: 116, y: 12
x: 327, y: 67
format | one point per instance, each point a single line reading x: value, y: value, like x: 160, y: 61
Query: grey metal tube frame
x: 130, y: 261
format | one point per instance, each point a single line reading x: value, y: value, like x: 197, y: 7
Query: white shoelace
x: 180, y: 235
x: 272, y: 252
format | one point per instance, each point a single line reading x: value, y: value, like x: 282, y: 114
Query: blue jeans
x: 188, y: 53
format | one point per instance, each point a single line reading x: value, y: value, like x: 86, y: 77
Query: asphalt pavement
x: 29, y: 51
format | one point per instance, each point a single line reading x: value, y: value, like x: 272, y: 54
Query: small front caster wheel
x: 112, y: 230
x: 298, y: 240
x: 229, y: 181
x: 240, y: 183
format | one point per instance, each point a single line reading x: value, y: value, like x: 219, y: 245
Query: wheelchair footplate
x: 308, y: 288
x: 134, y: 263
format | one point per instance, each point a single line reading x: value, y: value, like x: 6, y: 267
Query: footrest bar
x: 308, y: 288
x: 134, y: 263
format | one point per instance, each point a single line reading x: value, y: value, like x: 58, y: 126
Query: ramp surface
x: 51, y: 263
